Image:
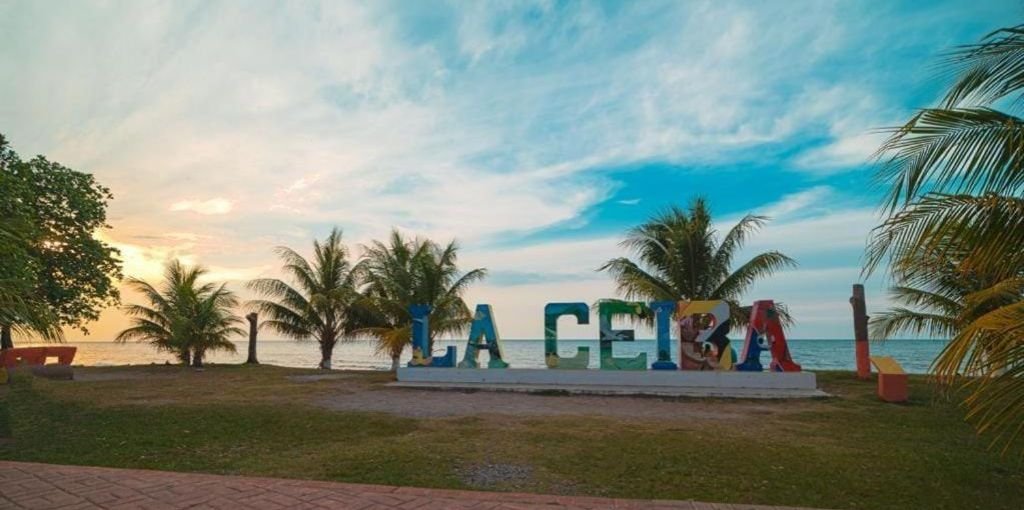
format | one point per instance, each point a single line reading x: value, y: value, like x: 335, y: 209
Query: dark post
x: 252, y: 339
x: 860, y: 332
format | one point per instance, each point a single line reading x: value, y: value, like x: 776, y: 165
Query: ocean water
x: 914, y: 355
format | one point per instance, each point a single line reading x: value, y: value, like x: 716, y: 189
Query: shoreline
x: 814, y: 355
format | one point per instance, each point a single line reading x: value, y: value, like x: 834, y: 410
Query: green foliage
x: 955, y: 176
x: 405, y: 272
x: 323, y: 299
x: 316, y: 304
x: 932, y: 151
x: 938, y: 299
x: 851, y: 451
x: 680, y: 256
x: 18, y: 269
x: 18, y: 307
x: 184, y: 316
x: 52, y: 213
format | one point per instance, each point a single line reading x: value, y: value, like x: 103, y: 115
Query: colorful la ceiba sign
x: 703, y: 342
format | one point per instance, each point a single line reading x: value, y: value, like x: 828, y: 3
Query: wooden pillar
x: 5, y: 337
x: 860, y: 332
x: 252, y: 339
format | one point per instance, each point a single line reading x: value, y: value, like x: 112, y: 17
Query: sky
x: 533, y: 133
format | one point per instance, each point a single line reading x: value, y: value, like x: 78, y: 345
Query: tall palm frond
x: 956, y: 202
x: 980, y: 231
x: 162, y: 322
x: 318, y: 300
x: 975, y: 310
x: 184, y: 316
x: 962, y: 150
x: 678, y: 255
x: 988, y: 71
x: 760, y: 266
x: 632, y: 282
x: 987, y: 358
x: 933, y: 309
x: 964, y: 146
x: 404, y: 272
x: 213, y: 322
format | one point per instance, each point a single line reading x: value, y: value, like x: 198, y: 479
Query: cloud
x: 580, y: 257
x: 839, y: 230
x: 302, y: 183
x: 492, y: 123
x: 519, y: 309
x: 237, y: 274
x: 183, y: 236
x: 798, y: 204
x: 851, y: 117
x: 487, y: 122
x: 211, y: 206
x: 841, y: 153
x: 147, y: 261
x: 827, y: 237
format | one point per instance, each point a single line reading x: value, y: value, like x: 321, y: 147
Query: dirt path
x: 368, y: 391
x: 434, y: 404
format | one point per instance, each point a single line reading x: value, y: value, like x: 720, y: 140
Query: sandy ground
x: 320, y: 377
x: 94, y: 376
x: 418, y: 403
x: 363, y: 392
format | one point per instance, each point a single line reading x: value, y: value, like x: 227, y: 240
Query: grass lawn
x: 850, y: 451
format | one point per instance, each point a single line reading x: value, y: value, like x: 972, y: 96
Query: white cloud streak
x: 269, y: 121
x: 211, y: 206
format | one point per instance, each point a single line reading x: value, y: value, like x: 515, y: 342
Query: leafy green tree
x: 316, y: 304
x: 17, y: 305
x: 407, y: 272
x: 184, y: 316
x: 18, y: 309
x: 679, y: 255
x: 72, y: 274
x: 955, y: 175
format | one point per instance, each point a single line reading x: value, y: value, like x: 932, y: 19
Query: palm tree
x: 317, y: 302
x: 184, y: 317
x: 680, y: 256
x: 937, y: 300
x: 955, y: 175
x: 406, y: 272
x: 213, y: 324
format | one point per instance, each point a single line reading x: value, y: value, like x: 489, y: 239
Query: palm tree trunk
x: 251, y: 360
x: 395, y: 363
x: 197, y: 359
x: 5, y: 337
x: 185, y: 356
x: 326, y: 350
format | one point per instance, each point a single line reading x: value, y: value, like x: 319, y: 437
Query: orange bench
x: 34, y: 358
x: 11, y: 358
x: 892, y: 380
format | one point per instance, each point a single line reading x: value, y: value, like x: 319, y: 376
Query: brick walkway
x: 38, y: 486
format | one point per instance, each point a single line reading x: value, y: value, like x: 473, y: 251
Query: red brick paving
x: 45, y: 486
